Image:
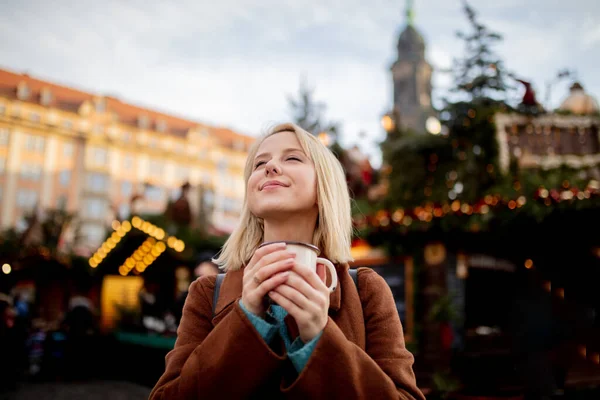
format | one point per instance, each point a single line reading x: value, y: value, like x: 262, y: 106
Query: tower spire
x: 410, y: 14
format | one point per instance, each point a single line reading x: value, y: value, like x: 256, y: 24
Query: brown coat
x: 360, y: 355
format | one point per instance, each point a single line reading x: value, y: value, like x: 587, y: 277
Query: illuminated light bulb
x: 455, y: 205
x: 116, y: 225
x: 528, y: 263
x: 6, y: 268
x: 161, y: 246
x: 136, y: 222
x: 171, y: 241
x: 126, y: 226
x: 159, y: 234
x: 130, y: 263
x: 123, y: 271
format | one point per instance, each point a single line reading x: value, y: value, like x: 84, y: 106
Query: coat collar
x: 231, y: 289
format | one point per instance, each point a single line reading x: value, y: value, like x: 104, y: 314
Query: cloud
x: 233, y: 62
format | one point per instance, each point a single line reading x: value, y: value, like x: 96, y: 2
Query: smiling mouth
x: 273, y: 184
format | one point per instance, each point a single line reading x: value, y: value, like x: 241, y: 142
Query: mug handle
x: 332, y: 271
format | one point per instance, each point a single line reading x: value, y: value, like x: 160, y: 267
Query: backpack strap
x: 354, y: 274
x: 218, y: 282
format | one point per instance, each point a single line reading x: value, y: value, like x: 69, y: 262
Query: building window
x: 179, y: 147
x: 23, y: 91
x: 222, y: 165
x: 126, y: 188
x: 156, y: 168
x: 124, y: 212
x: 98, y: 128
x: 97, y: 183
x: 64, y: 178
x: 67, y: 124
x: 45, y: 96
x: 95, y: 208
x: 61, y: 202
x: 161, y: 126
x: 35, y: 117
x: 128, y: 162
x: 3, y: 136
x: 93, y: 233
x: 182, y: 173
x: 34, y: 143
x: 143, y: 122
x: 26, y: 199
x: 100, y: 105
x: 154, y: 193
x: 68, y: 150
x: 31, y: 172
x: 100, y: 156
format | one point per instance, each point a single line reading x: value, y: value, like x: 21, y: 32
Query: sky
x: 233, y: 63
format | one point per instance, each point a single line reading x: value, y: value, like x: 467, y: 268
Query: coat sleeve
x: 205, y: 359
x: 338, y: 367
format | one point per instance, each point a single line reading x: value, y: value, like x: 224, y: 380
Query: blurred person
x: 9, y: 352
x: 309, y: 342
x: 35, y: 347
x: 206, y: 268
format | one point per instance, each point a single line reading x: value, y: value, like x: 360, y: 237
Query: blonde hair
x: 333, y: 232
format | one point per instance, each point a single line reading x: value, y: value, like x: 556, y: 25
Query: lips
x: 268, y: 184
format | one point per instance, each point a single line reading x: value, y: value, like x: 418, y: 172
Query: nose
x: 272, y: 168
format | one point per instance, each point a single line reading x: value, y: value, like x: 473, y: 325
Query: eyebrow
x: 288, y: 150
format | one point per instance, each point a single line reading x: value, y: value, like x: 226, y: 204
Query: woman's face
x: 283, y: 179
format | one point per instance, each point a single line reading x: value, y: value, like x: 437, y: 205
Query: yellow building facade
x: 91, y: 154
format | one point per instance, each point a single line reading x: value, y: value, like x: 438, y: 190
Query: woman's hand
x: 305, y: 297
x: 267, y: 269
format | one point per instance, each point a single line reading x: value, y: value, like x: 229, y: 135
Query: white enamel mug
x: 307, y: 255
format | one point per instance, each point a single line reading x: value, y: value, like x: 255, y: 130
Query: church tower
x: 411, y: 75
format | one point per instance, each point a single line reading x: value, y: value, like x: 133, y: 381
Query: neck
x: 293, y: 229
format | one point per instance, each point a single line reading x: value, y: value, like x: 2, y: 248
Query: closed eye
x: 293, y: 158
x: 258, y: 164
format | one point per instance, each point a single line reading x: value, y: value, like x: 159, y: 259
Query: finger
x: 310, y: 276
x: 272, y: 283
x: 265, y: 272
x: 299, y: 283
x: 271, y: 258
x: 287, y: 304
x: 263, y: 251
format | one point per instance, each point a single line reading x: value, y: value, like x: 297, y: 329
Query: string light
x: 145, y: 254
x: 429, y: 211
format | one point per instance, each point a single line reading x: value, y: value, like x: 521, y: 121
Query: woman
x: 307, y: 343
